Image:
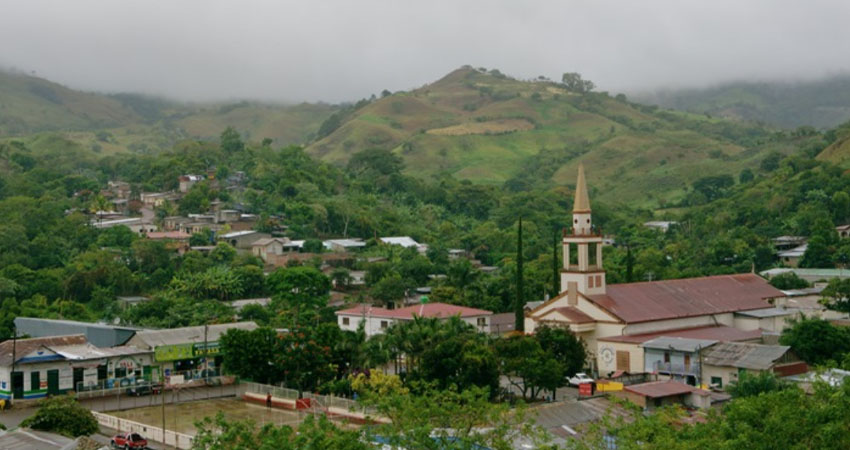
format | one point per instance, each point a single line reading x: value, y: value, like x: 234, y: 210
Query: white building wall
x: 374, y: 326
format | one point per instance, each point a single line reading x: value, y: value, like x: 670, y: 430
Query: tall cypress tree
x: 519, y: 306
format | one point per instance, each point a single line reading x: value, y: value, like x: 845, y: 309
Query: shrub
x: 62, y: 415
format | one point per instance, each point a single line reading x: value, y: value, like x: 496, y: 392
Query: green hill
x: 31, y: 104
x: 120, y: 122
x: 822, y: 104
x: 489, y: 128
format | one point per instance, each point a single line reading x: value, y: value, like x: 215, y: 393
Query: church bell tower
x: 582, y: 272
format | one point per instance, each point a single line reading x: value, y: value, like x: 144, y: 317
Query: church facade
x: 615, y: 320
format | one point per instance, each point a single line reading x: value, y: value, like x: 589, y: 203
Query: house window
x: 120, y: 372
x: 384, y: 324
x: 717, y: 381
x: 482, y: 321
x: 687, y: 361
x: 667, y: 357
x: 590, y: 282
x: 345, y: 320
x: 599, y: 280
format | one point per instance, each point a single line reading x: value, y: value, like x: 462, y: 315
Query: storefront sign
x: 174, y: 352
x: 212, y: 349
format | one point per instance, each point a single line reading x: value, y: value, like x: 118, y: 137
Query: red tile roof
x: 718, y: 333
x: 438, y: 310
x: 658, y: 389
x: 573, y: 313
x: 688, y: 297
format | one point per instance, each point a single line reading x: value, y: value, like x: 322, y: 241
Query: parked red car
x: 129, y: 441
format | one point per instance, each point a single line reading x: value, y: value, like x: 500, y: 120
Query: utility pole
x: 162, y: 394
x: 519, y: 307
x: 206, y: 355
x: 14, y: 358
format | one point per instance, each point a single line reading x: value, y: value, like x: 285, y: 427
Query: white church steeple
x: 583, y: 274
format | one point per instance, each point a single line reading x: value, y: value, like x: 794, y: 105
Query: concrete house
x: 656, y: 394
x: 243, y: 239
x: 265, y: 248
x: 601, y: 314
x: 677, y: 358
x: 724, y: 363
x: 57, y: 365
x: 344, y: 245
x: 187, y: 181
x: 377, y: 320
x: 189, y: 351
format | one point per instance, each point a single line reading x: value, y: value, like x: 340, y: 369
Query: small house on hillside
x: 243, y: 239
x: 404, y: 241
x: 656, y: 394
x: 724, y: 363
x: 344, y: 245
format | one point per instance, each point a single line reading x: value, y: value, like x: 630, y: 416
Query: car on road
x: 128, y: 441
x: 144, y: 389
x: 580, y: 378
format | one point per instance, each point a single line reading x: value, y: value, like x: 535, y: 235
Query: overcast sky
x: 340, y: 50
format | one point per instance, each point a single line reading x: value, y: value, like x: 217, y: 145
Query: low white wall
x: 172, y: 438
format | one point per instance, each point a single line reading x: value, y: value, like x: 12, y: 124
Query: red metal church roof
x: 688, y: 297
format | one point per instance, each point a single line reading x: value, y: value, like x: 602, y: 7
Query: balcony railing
x: 679, y: 369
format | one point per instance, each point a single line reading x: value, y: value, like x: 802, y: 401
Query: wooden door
x: 623, y: 361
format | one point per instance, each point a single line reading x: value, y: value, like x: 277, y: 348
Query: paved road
x: 147, y: 215
x: 561, y: 394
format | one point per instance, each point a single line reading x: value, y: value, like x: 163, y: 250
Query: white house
x: 377, y: 320
x: 404, y: 241
x: 343, y: 245
x: 56, y: 365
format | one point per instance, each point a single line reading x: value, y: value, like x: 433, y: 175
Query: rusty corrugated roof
x: 25, y: 346
x: 658, y: 389
x: 573, y: 313
x: 744, y: 355
x: 688, y: 297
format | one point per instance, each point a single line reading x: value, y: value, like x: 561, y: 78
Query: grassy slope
x: 631, y: 155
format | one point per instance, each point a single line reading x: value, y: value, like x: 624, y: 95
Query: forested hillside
x: 139, y: 123
x: 473, y: 124
x: 821, y: 103
x: 53, y: 263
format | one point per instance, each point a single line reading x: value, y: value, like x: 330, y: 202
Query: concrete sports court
x: 181, y: 417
